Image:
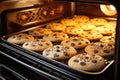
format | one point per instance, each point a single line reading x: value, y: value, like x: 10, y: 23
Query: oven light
x: 112, y: 7
x: 108, y: 10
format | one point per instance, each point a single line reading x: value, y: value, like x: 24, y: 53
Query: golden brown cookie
x: 98, y: 21
x: 102, y: 49
x: 20, y: 38
x: 37, y: 45
x: 77, y: 43
x: 68, y: 22
x: 111, y: 23
x: 59, y: 52
x: 86, y: 26
x: 108, y: 39
x: 87, y: 62
x: 92, y: 36
x: 56, y: 36
x: 105, y: 30
x: 73, y: 30
x: 81, y: 18
x: 38, y: 32
x: 54, y: 26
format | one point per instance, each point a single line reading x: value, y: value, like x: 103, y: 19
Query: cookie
x: 108, y: 39
x: 113, y: 34
x: 90, y: 35
x: 20, y: 38
x: 73, y: 30
x: 38, y: 32
x: 81, y: 18
x: 77, y: 43
x: 87, y: 62
x: 37, y: 45
x: 56, y: 36
x: 56, y: 26
x: 111, y: 23
x: 59, y: 52
x: 68, y: 22
x: 98, y: 21
x: 86, y: 26
x: 104, y: 30
x: 102, y: 49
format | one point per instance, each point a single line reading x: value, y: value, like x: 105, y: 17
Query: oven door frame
x: 117, y: 40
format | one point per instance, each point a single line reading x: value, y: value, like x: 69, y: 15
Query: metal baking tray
x: 109, y: 62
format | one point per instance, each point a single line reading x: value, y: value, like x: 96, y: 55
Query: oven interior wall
x: 11, y: 4
x: 90, y: 10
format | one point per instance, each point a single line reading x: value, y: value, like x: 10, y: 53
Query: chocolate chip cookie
x: 59, y: 52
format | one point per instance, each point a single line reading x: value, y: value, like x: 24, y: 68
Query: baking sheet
x: 109, y: 62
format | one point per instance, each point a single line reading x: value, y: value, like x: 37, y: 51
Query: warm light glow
x: 112, y: 7
x: 108, y: 10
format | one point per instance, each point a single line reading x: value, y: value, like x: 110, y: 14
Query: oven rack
x: 26, y: 71
x: 38, y: 64
x: 7, y: 74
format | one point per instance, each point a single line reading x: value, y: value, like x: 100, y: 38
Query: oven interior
x: 18, y: 20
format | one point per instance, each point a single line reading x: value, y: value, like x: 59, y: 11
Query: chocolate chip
x: 46, y: 35
x: 66, y: 47
x: 82, y: 63
x: 19, y: 35
x: 86, y: 42
x: 96, y: 51
x: 109, y: 38
x: 94, y: 61
x: 47, y: 53
x: 72, y: 44
x: 75, y: 60
x: 41, y: 44
x: 57, y: 50
x: 54, y: 34
x: 63, y: 35
x: 75, y: 39
x: 56, y: 55
x: 42, y: 40
x: 107, y: 51
x: 65, y: 54
x: 79, y: 43
x: 36, y: 40
x: 32, y: 45
x: 82, y: 39
x: 86, y: 57
x: 101, y: 45
x: 57, y: 47
x: 27, y: 37
x: 67, y: 41
x: 47, y: 44
x: 110, y: 45
x: 26, y: 44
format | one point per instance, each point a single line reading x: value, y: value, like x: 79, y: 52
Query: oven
x: 59, y: 40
